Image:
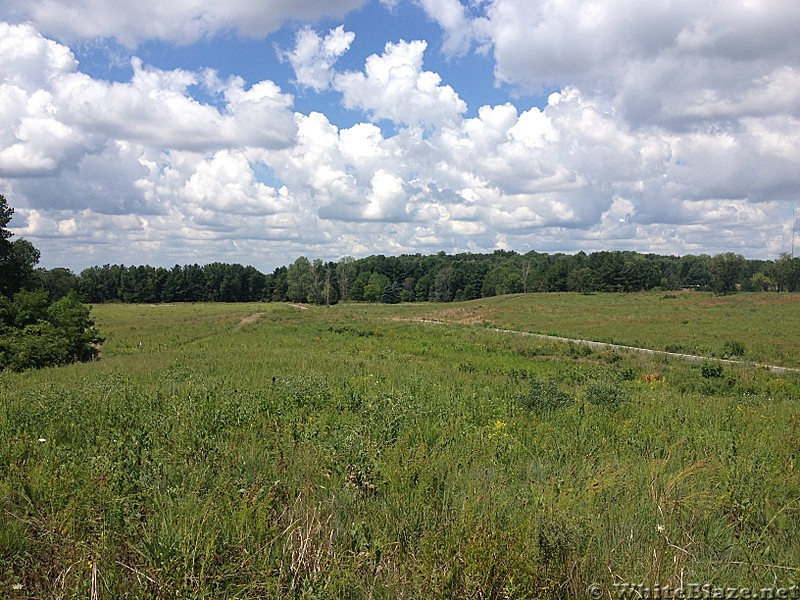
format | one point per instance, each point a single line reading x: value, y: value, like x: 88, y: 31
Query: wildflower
x: 42, y: 440
x: 497, y: 430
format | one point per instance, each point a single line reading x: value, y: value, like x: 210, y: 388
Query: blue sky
x: 144, y: 132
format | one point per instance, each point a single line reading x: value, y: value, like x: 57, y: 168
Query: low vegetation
x: 403, y: 451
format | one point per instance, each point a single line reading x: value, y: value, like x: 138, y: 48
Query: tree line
x: 414, y: 278
x: 45, y: 320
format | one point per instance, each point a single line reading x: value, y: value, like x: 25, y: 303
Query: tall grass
x: 351, y: 452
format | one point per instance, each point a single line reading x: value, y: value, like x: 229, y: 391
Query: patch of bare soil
x: 472, y: 315
x: 249, y: 320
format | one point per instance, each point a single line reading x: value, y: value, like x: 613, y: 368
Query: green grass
x: 766, y: 325
x: 354, y: 452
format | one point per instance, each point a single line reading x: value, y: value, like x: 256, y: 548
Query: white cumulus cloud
x: 313, y: 56
x: 394, y: 86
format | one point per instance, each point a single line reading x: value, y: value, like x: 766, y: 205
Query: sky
x: 168, y: 132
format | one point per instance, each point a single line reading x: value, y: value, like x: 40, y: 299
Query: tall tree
x: 345, y: 272
x: 391, y: 293
x: 317, y: 290
x: 374, y: 288
x: 786, y: 273
x: 18, y: 259
x: 298, y: 280
x: 6, y: 248
x: 441, y: 285
x: 726, y: 272
x: 57, y: 282
x: 6, y: 212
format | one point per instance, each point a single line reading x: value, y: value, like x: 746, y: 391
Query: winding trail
x: 609, y: 346
x: 256, y: 316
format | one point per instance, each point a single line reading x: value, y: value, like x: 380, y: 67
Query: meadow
x: 407, y: 451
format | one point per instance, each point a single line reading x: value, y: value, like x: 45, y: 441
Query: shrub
x: 74, y: 321
x: 36, y: 346
x: 544, y: 396
x: 47, y: 336
x: 578, y: 350
x: 30, y: 307
x: 606, y: 393
x: 711, y: 370
x: 732, y: 349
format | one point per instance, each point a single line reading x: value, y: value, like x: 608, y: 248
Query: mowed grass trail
x: 352, y: 451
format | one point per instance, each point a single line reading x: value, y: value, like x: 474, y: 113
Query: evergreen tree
x: 391, y: 293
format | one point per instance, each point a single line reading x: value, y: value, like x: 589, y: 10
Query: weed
x: 606, y: 393
x: 544, y: 396
x: 351, y: 452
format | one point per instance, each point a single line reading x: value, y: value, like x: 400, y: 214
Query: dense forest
x: 411, y: 278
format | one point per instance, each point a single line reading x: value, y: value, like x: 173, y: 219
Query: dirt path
x: 255, y: 317
x: 249, y: 320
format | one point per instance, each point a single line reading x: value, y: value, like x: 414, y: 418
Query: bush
x: 606, y: 393
x: 711, y: 370
x: 732, y: 349
x: 29, y: 307
x: 73, y: 319
x: 36, y: 346
x: 47, y: 336
x: 545, y: 396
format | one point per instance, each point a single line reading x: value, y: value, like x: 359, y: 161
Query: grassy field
x: 766, y: 325
x: 361, y: 451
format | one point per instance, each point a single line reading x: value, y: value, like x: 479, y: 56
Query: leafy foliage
x: 711, y: 370
x: 732, y: 349
x: 34, y: 332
